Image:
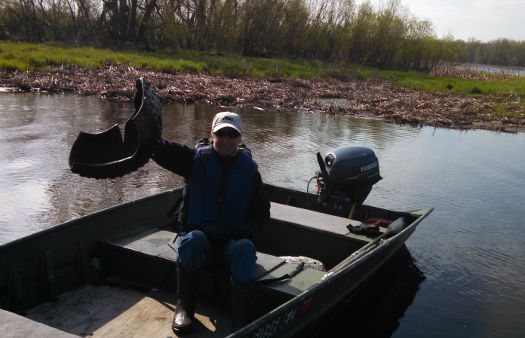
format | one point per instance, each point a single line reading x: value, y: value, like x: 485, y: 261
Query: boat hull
x: 46, y: 264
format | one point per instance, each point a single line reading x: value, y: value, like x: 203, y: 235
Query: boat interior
x: 125, y: 286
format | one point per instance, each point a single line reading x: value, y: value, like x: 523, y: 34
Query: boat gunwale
x: 66, y: 224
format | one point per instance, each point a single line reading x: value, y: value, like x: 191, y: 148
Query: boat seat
x: 316, y: 220
x: 311, y: 219
x: 154, y: 243
x: 145, y: 260
x: 149, y: 253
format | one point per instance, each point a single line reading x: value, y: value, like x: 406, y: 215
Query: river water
x: 467, y: 260
x: 494, y: 69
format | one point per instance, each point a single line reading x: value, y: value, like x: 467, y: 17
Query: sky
x: 483, y: 20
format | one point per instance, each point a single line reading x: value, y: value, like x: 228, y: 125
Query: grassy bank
x: 491, y: 84
x: 31, y: 57
x: 507, y: 91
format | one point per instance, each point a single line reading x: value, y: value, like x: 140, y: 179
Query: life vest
x: 217, y: 197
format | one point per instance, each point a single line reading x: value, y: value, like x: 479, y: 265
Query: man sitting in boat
x: 225, y: 209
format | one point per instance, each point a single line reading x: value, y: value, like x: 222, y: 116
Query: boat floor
x: 13, y: 325
x: 112, y: 311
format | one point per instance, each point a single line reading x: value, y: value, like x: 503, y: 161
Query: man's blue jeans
x: 194, y: 250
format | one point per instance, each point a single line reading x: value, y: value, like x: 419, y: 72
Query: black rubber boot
x: 242, y: 303
x: 186, y: 297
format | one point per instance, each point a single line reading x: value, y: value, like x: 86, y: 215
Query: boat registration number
x: 275, y: 325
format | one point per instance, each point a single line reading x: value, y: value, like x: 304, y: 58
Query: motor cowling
x: 350, y: 172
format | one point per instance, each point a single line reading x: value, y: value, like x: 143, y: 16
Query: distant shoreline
x: 361, y: 97
x: 490, y: 66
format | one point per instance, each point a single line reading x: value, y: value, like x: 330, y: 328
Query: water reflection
x: 376, y: 309
x: 471, y: 249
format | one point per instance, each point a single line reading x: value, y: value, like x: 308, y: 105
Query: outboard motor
x: 347, y: 176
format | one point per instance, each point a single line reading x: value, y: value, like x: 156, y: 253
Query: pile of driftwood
x: 371, y: 97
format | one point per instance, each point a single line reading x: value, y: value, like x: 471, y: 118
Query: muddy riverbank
x: 375, y: 98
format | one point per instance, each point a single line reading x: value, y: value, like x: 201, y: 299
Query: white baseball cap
x: 226, y: 119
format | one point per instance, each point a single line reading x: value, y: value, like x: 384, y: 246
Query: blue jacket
x: 181, y: 159
x: 220, y: 195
